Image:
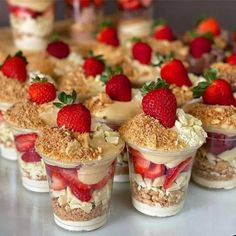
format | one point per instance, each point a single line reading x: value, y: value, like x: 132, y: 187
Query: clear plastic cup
x: 32, y: 168
x: 81, y: 194
x: 159, y: 180
x: 122, y: 165
x: 7, y: 147
x: 31, y: 22
x: 215, y: 162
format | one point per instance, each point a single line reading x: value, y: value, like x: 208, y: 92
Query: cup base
x: 227, y: 184
x: 8, y: 153
x: 121, y: 178
x: 81, y: 225
x: 35, y: 186
x: 157, y: 210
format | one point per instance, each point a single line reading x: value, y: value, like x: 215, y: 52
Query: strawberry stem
x: 161, y: 59
x: 65, y: 99
x: 158, y: 22
x: 108, y: 73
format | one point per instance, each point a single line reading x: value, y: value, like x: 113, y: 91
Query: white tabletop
x: 206, y: 213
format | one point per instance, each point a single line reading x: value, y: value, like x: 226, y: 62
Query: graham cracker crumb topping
x: 182, y: 94
x: 147, y: 132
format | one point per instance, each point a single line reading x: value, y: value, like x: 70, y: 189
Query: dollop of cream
x: 190, y: 129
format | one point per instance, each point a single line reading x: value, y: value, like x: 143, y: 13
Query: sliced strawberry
x: 81, y: 194
x: 141, y: 165
x: 31, y: 156
x: 52, y: 169
x: 57, y: 182
x: 102, y: 183
x: 25, y: 142
x: 1, y: 116
x: 154, y: 171
x: 173, y: 173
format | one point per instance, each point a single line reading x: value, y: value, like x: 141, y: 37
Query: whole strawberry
x: 75, y: 117
x: 163, y: 32
x: 58, y: 49
x: 108, y: 34
x: 199, y: 46
x: 209, y: 25
x: 174, y: 72
x: 161, y: 104
x: 119, y: 88
x: 231, y: 59
x: 214, y: 91
x: 142, y: 52
x: 93, y: 66
x: 14, y: 67
x: 42, y: 92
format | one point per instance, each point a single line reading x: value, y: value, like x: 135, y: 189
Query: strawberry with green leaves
x: 214, y: 91
x: 162, y: 31
x: 14, y: 67
x: 75, y: 117
x: 159, y: 102
x: 108, y: 34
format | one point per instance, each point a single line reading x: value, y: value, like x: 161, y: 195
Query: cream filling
x: 119, y: 112
x: 101, y: 196
x: 34, y: 169
x: 6, y: 136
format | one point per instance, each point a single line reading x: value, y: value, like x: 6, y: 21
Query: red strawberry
x: 31, y: 156
x: 52, y: 169
x: 15, y: 67
x: 119, y: 88
x: 161, y: 104
x: 173, y: 173
x: 130, y: 4
x: 58, y: 49
x: 163, y: 32
x: 219, y: 92
x: 24, y: 142
x: 93, y: 66
x: 141, y: 165
x: 231, y: 59
x: 75, y: 117
x: 82, y: 195
x: 57, y: 182
x: 42, y: 92
x: 174, y: 72
x: 142, y: 52
x: 199, y: 46
x: 108, y: 35
x: 207, y: 25
x: 102, y: 183
x: 154, y: 171
x: 23, y: 12
x: 1, y: 116
x: 82, y: 3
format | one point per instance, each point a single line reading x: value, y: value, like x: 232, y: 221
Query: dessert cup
x: 215, y: 163
x: 81, y: 194
x: 7, y: 147
x: 32, y: 168
x: 159, y: 179
x: 32, y: 23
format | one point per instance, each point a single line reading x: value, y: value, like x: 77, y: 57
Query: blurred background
x: 181, y: 14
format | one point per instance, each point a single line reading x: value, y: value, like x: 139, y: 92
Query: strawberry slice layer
x: 24, y: 142
x: 1, y: 116
x: 81, y: 194
x: 154, y: 171
x: 31, y: 156
x: 57, y: 182
x: 173, y: 173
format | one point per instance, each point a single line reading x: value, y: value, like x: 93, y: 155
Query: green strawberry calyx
x: 159, y: 59
x: 210, y: 76
x: 149, y: 86
x: 109, y: 72
x: 65, y: 99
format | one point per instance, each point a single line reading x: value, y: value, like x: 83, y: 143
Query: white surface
x: 24, y: 213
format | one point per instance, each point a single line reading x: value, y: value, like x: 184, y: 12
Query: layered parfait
x: 113, y: 107
x: 80, y: 159
x: 26, y: 119
x: 215, y: 164
x: 32, y: 23
x: 162, y: 142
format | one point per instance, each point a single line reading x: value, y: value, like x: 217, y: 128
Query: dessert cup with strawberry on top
x: 113, y: 107
x: 164, y: 42
x: 79, y: 155
x: 135, y: 19
x: 215, y: 163
x: 85, y: 79
x: 162, y: 142
x: 26, y: 119
x: 32, y: 23
x: 13, y: 78
x: 57, y: 60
